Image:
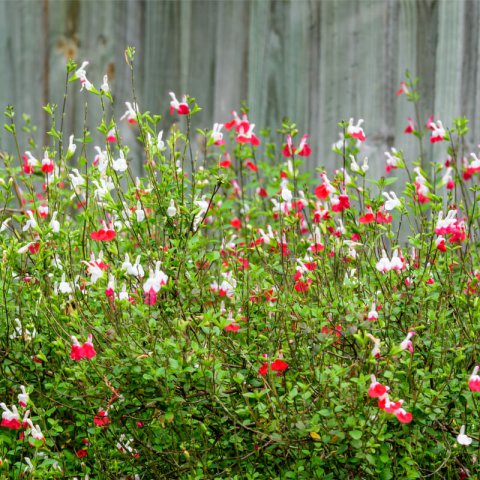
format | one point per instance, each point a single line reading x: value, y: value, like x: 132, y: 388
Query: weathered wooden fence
x: 317, y: 62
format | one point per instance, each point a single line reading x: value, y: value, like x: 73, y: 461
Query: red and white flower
x: 181, y: 108
x: 474, y: 380
x: 131, y: 113
x: 356, y: 131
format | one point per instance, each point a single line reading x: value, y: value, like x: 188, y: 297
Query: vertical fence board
x: 317, y: 62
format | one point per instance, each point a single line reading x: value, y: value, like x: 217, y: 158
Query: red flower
x: 369, y: 217
x: 103, y: 235
x: 78, y: 352
x: 403, y: 416
x: 81, y: 453
x: 411, y: 126
x: 236, y: 223
x: 279, y: 365
x: 232, y: 327
x: 251, y: 166
x: 263, y: 369
x: 101, y: 419
x: 341, y: 203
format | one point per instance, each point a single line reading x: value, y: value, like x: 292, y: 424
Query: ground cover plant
x: 230, y: 315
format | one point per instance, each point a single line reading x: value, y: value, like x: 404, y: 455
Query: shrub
x: 230, y: 315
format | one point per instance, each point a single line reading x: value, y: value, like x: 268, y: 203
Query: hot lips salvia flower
x: 79, y: 352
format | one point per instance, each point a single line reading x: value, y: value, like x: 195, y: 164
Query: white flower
x: 64, y: 286
x: 392, y: 201
x: 365, y: 165
x: 140, y: 212
x: 35, y: 431
x: 54, y: 224
x: 105, y: 86
x: 71, y: 146
x: 285, y: 192
x: 77, y: 179
x: 31, y: 222
x: 353, y: 164
x: 100, y: 160
x: 23, y: 397
x: 120, y: 164
x: 463, y: 439
x: 103, y: 188
x: 136, y: 269
x: 171, y: 210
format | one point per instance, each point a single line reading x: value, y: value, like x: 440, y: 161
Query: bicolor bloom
x: 111, y: 136
x: 95, y: 267
x: 78, y: 352
x: 376, y: 389
x: 421, y: 186
x: 407, y: 343
x: 304, y: 149
x: 180, y: 107
x: 373, y: 314
x: 156, y: 279
x: 35, y: 431
x: 410, y: 127
x: 356, y: 131
x: 82, y: 75
x: 446, y: 225
x: 394, y: 160
x: 396, y: 263
x: 384, y: 265
x: 10, y: 418
x: 403, y: 89
x: 438, y: 132
x: 462, y: 438
x: 131, y: 113
x: 247, y: 135
x: 440, y: 244
x: 403, y: 416
x: 23, y: 397
x: 340, y: 203
x: 237, y: 122
x: 474, y: 380
x: 430, y: 124
x: 101, y: 418
x: 324, y: 190
x: 217, y: 135
x: 29, y: 162
x: 47, y: 164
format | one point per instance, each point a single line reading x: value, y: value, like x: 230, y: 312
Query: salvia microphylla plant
x: 229, y: 315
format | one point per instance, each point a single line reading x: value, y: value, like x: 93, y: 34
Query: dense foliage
x: 228, y: 315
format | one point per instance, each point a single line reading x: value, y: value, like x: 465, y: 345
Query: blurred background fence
x: 316, y: 62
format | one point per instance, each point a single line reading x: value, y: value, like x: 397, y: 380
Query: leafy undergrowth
x: 228, y: 315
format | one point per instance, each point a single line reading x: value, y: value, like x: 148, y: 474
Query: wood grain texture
x: 316, y: 62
